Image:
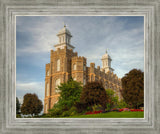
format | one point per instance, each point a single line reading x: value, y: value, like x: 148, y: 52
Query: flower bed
x: 136, y: 110
x: 94, y: 112
x: 132, y: 110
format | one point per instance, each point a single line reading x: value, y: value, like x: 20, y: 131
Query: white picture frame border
x: 151, y: 121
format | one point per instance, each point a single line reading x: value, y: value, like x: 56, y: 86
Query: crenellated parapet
x: 79, y: 58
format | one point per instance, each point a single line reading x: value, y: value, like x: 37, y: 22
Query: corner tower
x: 106, y: 63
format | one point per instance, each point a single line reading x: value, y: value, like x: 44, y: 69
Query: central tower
x: 64, y: 36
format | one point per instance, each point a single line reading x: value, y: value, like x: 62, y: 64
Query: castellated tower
x: 65, y: 63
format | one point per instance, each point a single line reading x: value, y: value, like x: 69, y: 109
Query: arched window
x: 67, y: 40
x: 106, y: 63
x: 57, y: 83
x: 48, y: 73
x: 47, y: 86
x: 84, y: 81
x: 46, y: 108
x: 63, y: 38
x: 84, y: 67
x: 74, y: 66
x: 59, y: 39
x: 91, y: 78
x: 58, y: 65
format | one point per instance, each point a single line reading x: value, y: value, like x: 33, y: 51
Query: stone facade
x: 65, y: 63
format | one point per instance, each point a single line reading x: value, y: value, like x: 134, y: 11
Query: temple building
x: 65, y: 63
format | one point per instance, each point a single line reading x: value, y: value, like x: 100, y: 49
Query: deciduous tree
x: 133, y: 88
x: 69, y: 96
x: 31, y: 104
x: 93, y: 93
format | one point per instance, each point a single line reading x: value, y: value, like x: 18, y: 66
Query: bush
x: 18, y: 116
x: 122, y: 104
x: 81, y: 107
x: 56, y: 112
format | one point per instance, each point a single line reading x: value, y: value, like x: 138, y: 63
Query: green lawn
x: 112, y: 115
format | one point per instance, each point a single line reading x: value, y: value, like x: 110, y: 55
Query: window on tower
x: 91, y: 78
x: 58, y: 65
x: 46, y: 109
x: 74, y: 66
x: 57, y: 83
x: 59, y: 39
x: 84, y: 81
x: 84, y: 67
x: 63, y: 38
x: 106, y: 63
x: 47, y: 72
x: 47, y: 87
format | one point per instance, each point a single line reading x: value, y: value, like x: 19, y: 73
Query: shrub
x: 81, y: 106
x: 56, y: 112
x: 112, y: 99
x: 122, y: 104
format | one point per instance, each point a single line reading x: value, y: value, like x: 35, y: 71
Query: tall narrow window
x: 91, y: 78
x: 47, y: 86
x: 106, y: 63
x: 84, y: 67
x: 84, y: 81
x: 74, y: 67
x: 57, y: 83
x: 59, y: 39
x: 47, y: 72
x: 46, y: 108
x: 63, y: 38
x: 58, y: 65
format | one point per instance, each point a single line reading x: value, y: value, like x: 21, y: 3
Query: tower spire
x: 106, y: 51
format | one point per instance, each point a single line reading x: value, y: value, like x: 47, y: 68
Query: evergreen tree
x: 17, y: 105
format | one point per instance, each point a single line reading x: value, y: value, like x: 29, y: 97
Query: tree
x: 31, y: 104
x: 93, y: 93
x: 133, y: 88
x: 112, y: 99
x: 69, y: 96
x: 17, y: 106
x: 69, y: 93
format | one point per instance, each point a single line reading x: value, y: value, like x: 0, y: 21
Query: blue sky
x: 122, y: 36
